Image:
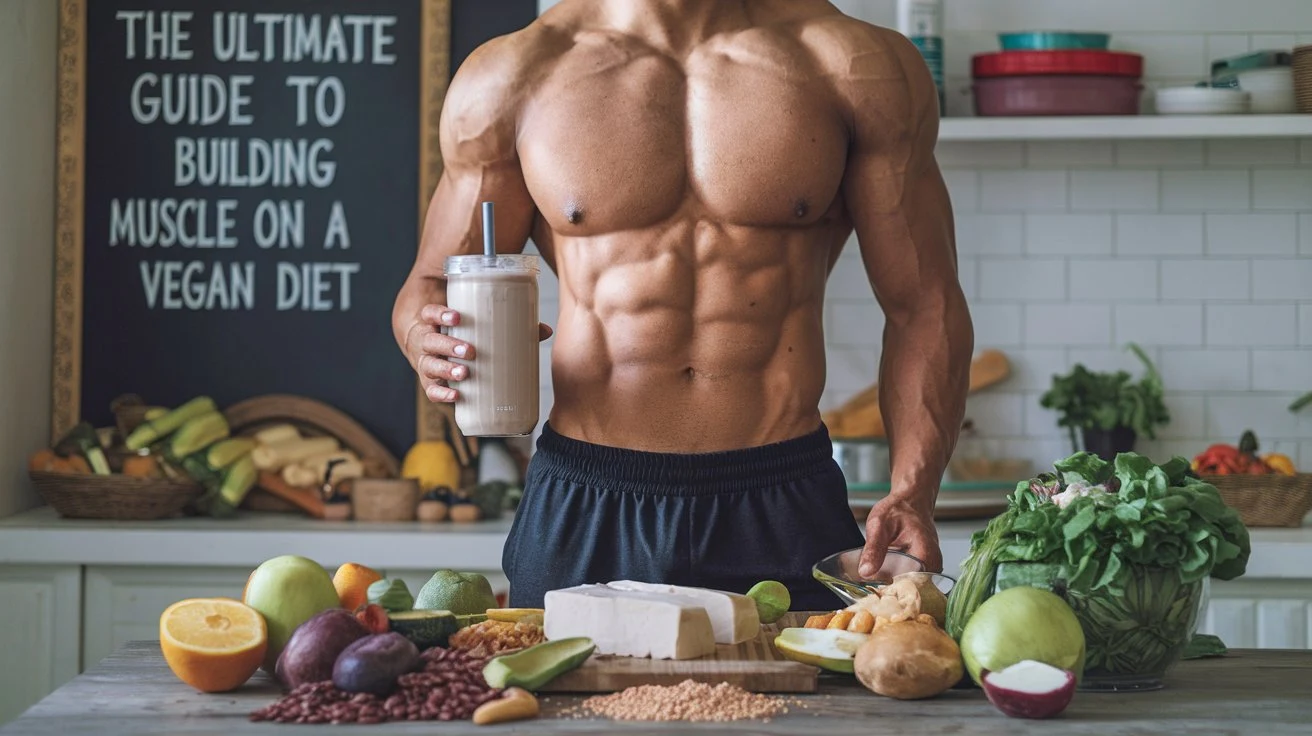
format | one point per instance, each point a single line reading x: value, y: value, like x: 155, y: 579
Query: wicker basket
x: 117, y: 497
x: 1266, y: 500
x: 1303, y: 78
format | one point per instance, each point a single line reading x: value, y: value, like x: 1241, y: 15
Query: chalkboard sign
x: 241, y: 189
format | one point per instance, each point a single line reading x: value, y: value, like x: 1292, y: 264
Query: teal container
x: 1053, y: 40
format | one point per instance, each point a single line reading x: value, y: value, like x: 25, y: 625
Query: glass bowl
x: 1132, y: 640
x: 838, y: 572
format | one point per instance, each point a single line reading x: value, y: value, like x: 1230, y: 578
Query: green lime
x: 772, y: 600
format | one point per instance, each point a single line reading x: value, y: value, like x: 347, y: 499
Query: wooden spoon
x: 861, y: 417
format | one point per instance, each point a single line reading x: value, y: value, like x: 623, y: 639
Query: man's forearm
x: 923, y: 381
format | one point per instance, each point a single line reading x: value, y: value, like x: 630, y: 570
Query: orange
x: 213, y: 644
x: 352, y: 582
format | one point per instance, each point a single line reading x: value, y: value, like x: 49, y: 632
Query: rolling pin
x: 860, y: 416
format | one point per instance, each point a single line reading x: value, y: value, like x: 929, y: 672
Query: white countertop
x: 40, y: 537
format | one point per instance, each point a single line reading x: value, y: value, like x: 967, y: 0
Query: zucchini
x: 427, y: 629
x: 83, y: 441
x: 238, y: 480
x: 226, y: 452
x: 157, y: 429
x: 198, y: 433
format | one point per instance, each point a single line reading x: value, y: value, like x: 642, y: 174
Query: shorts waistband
x: 676, y: 474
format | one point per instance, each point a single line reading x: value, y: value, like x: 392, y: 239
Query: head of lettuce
x: 1095, y: 524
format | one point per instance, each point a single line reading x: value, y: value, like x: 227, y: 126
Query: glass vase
x: 1132, y: 639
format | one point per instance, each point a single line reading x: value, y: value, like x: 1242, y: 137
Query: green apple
x: 288, y: 591
x: 829, y: 649
x: 1020, y: 624
x: 461, y: 593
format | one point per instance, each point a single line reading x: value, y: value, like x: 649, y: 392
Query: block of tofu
x: 733, y: 615
x: 631, y: 623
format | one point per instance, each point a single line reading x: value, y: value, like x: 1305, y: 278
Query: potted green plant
x: 1110, y: 409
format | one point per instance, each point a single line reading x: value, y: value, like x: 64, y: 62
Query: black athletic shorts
x: 724, y: 520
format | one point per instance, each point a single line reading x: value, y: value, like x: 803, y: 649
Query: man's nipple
x: 801, y: 208
x: 574, y: 214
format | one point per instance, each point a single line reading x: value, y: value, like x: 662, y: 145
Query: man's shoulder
x: 848, y: 47
x: 878, y: 72
x: 511, y: 61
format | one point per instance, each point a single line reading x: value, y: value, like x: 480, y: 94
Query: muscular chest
x: 618, y: 139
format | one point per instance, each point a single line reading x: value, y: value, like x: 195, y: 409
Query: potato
x: 909, y: 660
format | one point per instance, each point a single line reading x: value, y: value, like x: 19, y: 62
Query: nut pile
x: 449, y: 686
x: 687, y: 701
x: 493, y: 637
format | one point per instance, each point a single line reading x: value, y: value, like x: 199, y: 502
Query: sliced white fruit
x: 830, y: 649
x: 1030, y: 689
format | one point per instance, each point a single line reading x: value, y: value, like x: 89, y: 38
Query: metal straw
x: 489, y: 231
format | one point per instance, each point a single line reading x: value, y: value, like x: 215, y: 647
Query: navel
x: 801, y: 208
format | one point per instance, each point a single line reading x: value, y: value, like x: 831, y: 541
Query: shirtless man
x: 691, y: 169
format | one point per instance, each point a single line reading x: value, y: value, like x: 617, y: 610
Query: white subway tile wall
x: 1201, y: 251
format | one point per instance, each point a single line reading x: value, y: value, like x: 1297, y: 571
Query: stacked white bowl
x: 1271, y: 90
x: 1202, y: 101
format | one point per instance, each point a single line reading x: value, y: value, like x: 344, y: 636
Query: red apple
x: 1030, y: 689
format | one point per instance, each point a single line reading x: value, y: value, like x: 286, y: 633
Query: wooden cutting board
x: 754, y: 665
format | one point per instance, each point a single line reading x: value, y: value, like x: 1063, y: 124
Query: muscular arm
x: 480, y: 164
x: 903, y: 219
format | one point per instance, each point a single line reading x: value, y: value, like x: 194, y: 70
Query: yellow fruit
x: 517, y: 615
x: 1279, y: 463
x: 213, y: 644
x: 352, y: 582
x: 433, y: 463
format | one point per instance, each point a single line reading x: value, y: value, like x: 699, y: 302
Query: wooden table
x: 132, y: 693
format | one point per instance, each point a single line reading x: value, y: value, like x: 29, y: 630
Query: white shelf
x: 1125, y: 127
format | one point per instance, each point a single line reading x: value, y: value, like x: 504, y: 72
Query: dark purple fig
x: 315, y: 645
x: 372, y: 664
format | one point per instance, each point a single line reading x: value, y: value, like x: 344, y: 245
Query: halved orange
x: 213, y: 644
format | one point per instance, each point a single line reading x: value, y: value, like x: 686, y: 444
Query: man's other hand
x: 894, y: 523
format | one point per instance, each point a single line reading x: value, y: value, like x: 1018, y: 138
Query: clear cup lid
x: 509, y: 263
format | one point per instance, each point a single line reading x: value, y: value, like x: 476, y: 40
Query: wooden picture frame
x: 434, y: 422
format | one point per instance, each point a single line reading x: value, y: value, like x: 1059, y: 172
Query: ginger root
x: 907, y: 597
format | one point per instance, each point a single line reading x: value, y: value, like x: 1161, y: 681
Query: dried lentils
x: 687, y: 701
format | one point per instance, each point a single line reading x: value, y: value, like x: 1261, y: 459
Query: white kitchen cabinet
x: 40, y: 606
x: 123, y: 604
x: 1260, y: 614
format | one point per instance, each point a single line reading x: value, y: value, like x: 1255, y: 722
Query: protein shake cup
x: 497, y: 298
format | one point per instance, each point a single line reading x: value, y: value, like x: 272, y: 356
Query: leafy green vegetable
x: 1096, y: 519
x: 1205, y: 645
x: 1104, y: 401
x: 1301, y: 402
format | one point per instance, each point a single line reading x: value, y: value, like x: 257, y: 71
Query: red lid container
x: 1064, y: 61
